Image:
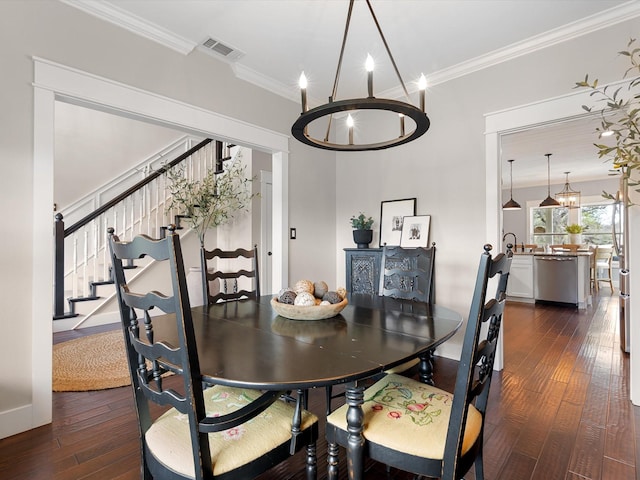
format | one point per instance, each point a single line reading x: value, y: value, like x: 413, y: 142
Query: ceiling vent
x: 219, y: 49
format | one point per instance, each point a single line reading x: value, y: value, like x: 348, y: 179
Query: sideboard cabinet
x: 363, y: 269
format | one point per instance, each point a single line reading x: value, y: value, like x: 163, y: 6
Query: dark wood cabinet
x: 363, y: 269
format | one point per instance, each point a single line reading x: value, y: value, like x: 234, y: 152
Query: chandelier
x: 404, y: 110
x: 568, y: 197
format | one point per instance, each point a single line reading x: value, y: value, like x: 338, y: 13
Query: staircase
x: 82, y: 271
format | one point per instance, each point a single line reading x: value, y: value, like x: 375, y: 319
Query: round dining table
x: 246, y: 343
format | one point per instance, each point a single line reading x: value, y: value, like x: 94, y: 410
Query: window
x: 547, y: 225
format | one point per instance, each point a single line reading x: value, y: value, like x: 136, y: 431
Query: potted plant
x: 211, y: 201
x: 208, y: 203
x: 619, y: 122
x: 575, y: 233
x: 362, y: 233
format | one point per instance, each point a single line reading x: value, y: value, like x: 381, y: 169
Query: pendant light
x: 568, y: 197
x: 511, y: 204
x: 549, y: 202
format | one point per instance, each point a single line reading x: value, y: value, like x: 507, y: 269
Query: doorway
x: 54, y: 82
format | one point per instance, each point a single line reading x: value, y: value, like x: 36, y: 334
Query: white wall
x: 445, y: 169
x: 60, y: 33
x: 93, y: 147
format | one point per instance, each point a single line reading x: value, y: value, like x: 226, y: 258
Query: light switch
x: 292, y: 233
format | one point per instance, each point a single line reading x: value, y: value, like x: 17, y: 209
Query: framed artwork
x: 392, y: 213
x: 415, y: 231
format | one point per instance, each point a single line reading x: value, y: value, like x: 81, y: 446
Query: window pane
x: 549, y: 225
x: 597, y: 220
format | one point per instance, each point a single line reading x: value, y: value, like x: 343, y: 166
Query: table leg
x: 425, y: 368
x: 355, y: 441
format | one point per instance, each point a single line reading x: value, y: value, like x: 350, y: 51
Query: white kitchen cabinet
x: 520, y: 285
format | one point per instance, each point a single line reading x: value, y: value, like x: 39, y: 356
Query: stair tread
x: 83, y: 299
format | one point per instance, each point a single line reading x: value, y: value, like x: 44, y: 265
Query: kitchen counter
x: 558, y: 254
x: 528, y: 283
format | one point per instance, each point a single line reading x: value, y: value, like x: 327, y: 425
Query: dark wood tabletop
x: 246, y: 343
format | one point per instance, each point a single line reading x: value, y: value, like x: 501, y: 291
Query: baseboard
x: 16, y: 420
x: 66, y: 324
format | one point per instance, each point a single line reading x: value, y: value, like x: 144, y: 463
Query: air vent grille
x: 219, y: 49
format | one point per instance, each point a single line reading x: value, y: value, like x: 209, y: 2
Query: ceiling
x: 273, y: 41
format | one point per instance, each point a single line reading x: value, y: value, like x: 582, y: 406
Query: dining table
x: 245, y: 343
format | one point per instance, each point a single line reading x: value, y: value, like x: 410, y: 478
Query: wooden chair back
x: 408, y: 273
x: 145, y: 351
x: 475, y: 369
x: 603, y: 268
x: 229, y: 278
x: 396, y: 440
x: 151, y: 357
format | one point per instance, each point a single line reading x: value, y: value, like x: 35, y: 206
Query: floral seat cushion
x: 169, y: 438
x: 409, y: 416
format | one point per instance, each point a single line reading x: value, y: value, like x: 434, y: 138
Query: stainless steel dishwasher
x: 557, y: 278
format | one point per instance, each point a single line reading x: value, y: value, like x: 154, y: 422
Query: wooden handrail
x: 61, y: 233
x: 99, y: 211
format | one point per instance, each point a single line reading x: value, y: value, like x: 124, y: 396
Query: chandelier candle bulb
x: 303, y: 91
x: 422, y: 85
x: 350, y: 125
x: 368, y: 65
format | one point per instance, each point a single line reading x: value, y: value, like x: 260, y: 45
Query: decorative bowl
x: 298, y: 312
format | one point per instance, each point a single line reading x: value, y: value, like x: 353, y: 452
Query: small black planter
x: 363, y: 238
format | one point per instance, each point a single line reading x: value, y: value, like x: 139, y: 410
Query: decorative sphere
x: 305, y: 299
x: 324, y: 302
x: 288, y: 297
x: 342, y: 292
x: 303, y: 286
x: 320, y: 288
x: 286, y: 289
x: 332, y: 297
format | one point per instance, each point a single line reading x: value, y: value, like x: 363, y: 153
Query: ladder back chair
x: 229, y: 279
x: 424, y: 430
x: 603, y: 268
x: 407, y: 273
x: 214, y: 433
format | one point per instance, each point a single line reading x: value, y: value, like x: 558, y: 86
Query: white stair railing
x: 144, y: 211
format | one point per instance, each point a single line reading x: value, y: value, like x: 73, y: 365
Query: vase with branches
x: 211, y: 201
x: 619, y: 120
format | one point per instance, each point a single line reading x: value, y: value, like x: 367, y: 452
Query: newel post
x: 58, y: 273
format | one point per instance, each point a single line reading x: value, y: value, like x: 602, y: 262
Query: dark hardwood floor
x: 559, y: 410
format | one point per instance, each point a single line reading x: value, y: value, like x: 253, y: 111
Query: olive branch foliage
x: 211, y: 201
x: 619, y: 119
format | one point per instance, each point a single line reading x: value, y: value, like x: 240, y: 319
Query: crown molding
x: 113, y: 14
x: 592, y: 23
x: 265, y: 82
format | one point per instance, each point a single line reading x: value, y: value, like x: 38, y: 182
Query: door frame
x: 544, y: 112
x: 55, y: 82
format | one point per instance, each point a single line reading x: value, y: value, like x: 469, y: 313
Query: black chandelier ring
x: 299, y: 128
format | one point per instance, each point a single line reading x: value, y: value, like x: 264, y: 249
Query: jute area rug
x: 94, y: 362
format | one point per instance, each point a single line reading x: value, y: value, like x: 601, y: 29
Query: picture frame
x: 392, y: 213
x: 415, y: 231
